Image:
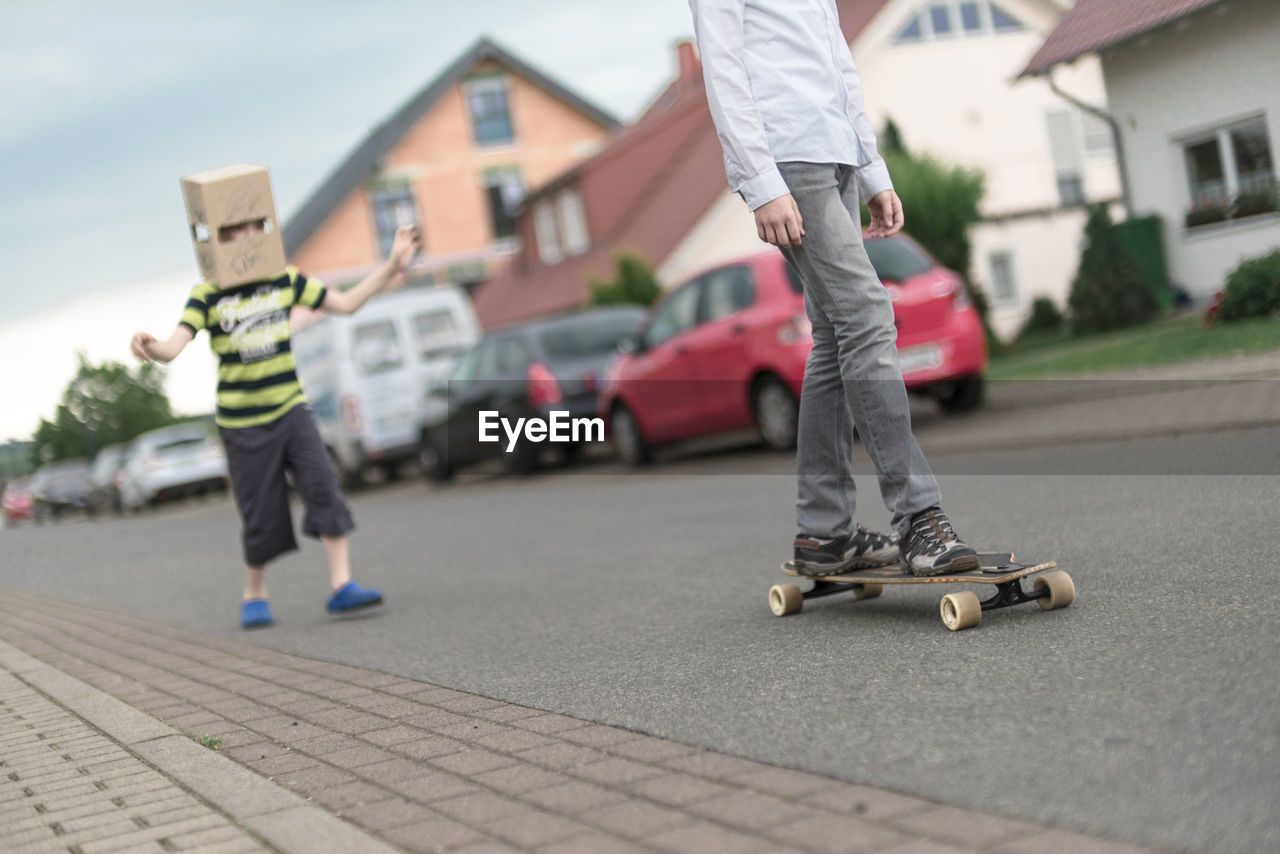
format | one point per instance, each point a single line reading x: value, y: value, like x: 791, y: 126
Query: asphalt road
x: 1145, y: 712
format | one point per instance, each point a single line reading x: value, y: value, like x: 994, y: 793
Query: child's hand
x: 139, y: 346
x: 405, y: 246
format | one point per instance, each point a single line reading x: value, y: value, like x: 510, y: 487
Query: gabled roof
x: 642, y: 194
x: 856, y: 14
x: 363, y: 162
x: 1094, y: 25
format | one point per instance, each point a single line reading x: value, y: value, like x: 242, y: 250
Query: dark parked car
x: 57, y: 488
x: 528, y: 371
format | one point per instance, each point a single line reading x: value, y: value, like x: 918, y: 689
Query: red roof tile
x: 1096, y: 24
x: 642, y: 194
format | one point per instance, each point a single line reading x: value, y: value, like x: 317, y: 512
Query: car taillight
x: 351, y: 414
x: 541, y: 385
x: 797, y: 330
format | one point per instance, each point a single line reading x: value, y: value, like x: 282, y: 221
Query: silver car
x: 172, y: 462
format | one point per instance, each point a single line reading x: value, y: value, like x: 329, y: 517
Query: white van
x: 366, y: 375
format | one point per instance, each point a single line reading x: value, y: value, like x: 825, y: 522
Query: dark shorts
x: 258, y: 458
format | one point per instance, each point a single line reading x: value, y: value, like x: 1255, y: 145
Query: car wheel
x: 777, y: 413
x: 964, y: 395
x: 627, y: 438
x: 432, y: 462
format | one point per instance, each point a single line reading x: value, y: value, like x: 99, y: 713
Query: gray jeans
x: 852, y: 379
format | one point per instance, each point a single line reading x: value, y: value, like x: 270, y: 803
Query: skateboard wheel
x: 1062, y: 590
x: 867, y: 591
x: 961, y: 610
x: 785, y: 599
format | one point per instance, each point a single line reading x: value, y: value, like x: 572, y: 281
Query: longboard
x: 1052, y: 590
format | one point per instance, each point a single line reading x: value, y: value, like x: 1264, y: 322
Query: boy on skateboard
x: 799, y: 149
x: 264, y: 420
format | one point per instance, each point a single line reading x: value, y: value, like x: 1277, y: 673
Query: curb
x: 284, y: 820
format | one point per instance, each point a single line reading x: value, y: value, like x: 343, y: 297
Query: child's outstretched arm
x: 402, y: 251
x: 146, y: 348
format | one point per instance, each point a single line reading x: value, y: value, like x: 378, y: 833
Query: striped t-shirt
x: 249, y: 331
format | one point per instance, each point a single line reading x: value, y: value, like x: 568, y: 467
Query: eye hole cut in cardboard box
x: 232, y: 216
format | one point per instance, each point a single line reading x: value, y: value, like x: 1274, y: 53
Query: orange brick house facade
x: 455, y: 160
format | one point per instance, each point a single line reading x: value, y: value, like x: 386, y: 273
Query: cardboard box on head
x: 220, y: 200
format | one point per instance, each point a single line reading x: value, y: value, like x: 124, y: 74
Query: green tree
x: 633, y: 284
x: 939, y: 203
x: 891, y: 138
x: 104, y: 404
x: 1108, y: 292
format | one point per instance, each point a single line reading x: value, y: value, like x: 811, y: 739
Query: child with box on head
x: 262, y: 415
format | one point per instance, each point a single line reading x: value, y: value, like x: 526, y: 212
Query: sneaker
x: 931, y: 546
x: 860, y: 550
x: 255, y: 614
x: 352, y: 597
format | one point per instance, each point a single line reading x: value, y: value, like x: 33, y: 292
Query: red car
x: 16, y: 501
x: 727, y: 349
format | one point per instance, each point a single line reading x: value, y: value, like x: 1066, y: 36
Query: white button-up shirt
x: 782, y: 87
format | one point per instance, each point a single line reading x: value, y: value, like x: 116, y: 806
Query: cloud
x: 39, y: 350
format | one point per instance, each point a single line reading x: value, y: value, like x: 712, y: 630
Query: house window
x: 573, y: 222
x: 393, y: 206
x: 548, y: 232
x: 940, y: 18
x: 1065, y: 146
x: 950, y: 18
x: 1230, y: 173
x: 1098, y: 139
x: 504, y: 191
x: 561, y: 226
x: 486, y: 98
x: 1004, y: 288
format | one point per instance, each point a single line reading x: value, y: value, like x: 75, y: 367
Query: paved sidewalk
x: 99, y: 713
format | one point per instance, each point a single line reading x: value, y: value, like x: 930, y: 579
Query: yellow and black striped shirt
x: 249, y: 331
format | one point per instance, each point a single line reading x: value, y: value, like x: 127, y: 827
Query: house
x: 646, y: 193
x: 943, y: 70
x: 1186, y: 84
x: 454, y: 160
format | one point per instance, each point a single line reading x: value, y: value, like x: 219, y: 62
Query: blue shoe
x: 255, y: 614
x: 351, y: 597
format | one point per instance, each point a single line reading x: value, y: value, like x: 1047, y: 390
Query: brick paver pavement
x: 427, y: 768
x: 65, y: 786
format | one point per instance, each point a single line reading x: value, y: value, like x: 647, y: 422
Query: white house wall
x: 1215, y: 68
x: 957, y: 100
x: 726, y: 231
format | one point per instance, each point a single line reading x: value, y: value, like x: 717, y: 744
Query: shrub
x: 1107, y: 292
x: 633, y: 284
x: 1253, y: 289
x: 1045, y: 317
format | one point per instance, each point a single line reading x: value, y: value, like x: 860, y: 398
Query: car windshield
x: 590, y: 335
x: 896, y: 260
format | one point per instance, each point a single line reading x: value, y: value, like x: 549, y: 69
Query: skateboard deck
x: 1052, y: 590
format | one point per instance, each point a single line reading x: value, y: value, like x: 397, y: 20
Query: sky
x: 103, y: 106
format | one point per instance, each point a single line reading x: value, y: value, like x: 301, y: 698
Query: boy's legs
x: 255, y: 461
x: 856, y: 379
x: 327, y: 517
